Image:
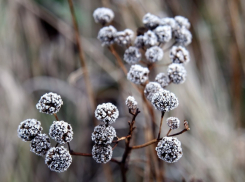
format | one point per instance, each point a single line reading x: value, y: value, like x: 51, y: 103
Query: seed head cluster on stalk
x: 143, y: 53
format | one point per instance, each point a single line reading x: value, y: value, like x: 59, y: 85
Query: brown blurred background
x: 38, y: 55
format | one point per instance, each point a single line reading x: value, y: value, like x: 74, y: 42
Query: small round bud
x: 168, y: 21
x: 163, y: 33
x: 40, y: 144
x: 124, y: 37
x: 49, y: 103
x: 169, y: 149
x: 102, y: 153
x: 176, y: 73
x: 103, y: 15
x: 28, y: 129
x: 151, y: 88
x: 61, y: 132
x: 183, y: 36
x: 154, y: 54
x: 150, y: 21
x: 131, y: 103
x: 107, y: 112
x: 58, y: 159
x: 138, y: 74
x: 179, y: 54
x: 162, y: 79
x: 173, y: 122
x: 132, y: 55
x: 182, y: 22
x: 150, y: 38
x: 139, y: 42
x: 107, y: 35
x: 103, y: 134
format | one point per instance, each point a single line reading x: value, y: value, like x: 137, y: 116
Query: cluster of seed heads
x: 58, y: 159
x: 104, y: 134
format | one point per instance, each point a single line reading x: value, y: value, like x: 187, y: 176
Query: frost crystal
x: 61, y: 132
x: 154, y: 54
x: 150, y: 38
x: 49, y: 103
x: 124, y: 37
x: 131, y: 103
x: 107, y: 35
x: 102, y: 153
x: 150, y: 21
x: 107, y: 112
x: 138, y: 74
x: 132, y: 55
x: 58, y: 159
x: 28, y: 129
x: 164, y: 100
x: 182, y: 22
x: 176, y: 73
x: 163, y: 33
x: 151, y: 88
x: 183, y: 36
x: 168, y: 21
x: 173, y: 122
x: 179, y: 54
x: 40, y: 144
x: 162, y: 79
x: 139, y: 41
x: 103, y: 15
x: 169, y: 149
x: 103, y: 134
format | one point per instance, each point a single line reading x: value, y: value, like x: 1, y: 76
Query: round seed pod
x: 163, y: 33
x: 179, y: 54
x: 176, y: 73
x: 150, y: 21
x: 107, y: 113
x: 107, y: 35
x: 154, y: 54
x: 173, y: 122
x: 40, y: 144
x: 151, y: 88
x: 102, y: 153
x: 103, y: 15
x: 61, y: 132
x: 103, y: 134
x: 162, y: 79
x: 138, y: 74
x: 131, y: 103
x: 124, y: 37
x: 132, y: 55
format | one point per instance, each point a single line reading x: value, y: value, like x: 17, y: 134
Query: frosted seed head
x: 61, y: 132
x: 183, y: 36
x: 138, y: 74
x: 150, y: 38
x: 102, y: 153
x: 103, y: 15
x: 151, y: 21
x: 169, y: 149
x: 139, y: 42
x: 173, y: 122
x: 29, y: 129
x: 103, y: 134
x: 107, y: 113
x: 163, y: 33
x: 107, y: 35
x: 132, y: 55
x: 58, y: 159
x: 49, y: 103
x: 176, y: 73
x: 161, y: 100
x: 154, y: 54
x: 131, y: 103
x: 168, y: 21
x: 182, y: 22
x: 162, y: 79
x: 124, y: 37
x: 173, y: 101
x: 179, y: 54
x: 40, y: 144
x: 150, y: 89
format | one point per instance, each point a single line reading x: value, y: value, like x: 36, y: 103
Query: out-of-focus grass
x: 38, y: 55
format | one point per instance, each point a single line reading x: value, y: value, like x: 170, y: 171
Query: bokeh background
x: 38, y: 55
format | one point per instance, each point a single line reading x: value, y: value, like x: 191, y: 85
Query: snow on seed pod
x: 176, y: 73
x: 58, y: 159
x: 107, y: 113
x: 150, y: 39
x: 124, y: 37
x: 49, y: 103
x: 102, y: 153
x: 61, y: 132
x: 103, y: 15
x: 103, y: 134
x: 169, y: 149
x: 132, y: 55
x: 183, y: 36
x: 139, y: 41
x: 40, y: 144
x: 168, y: 21
x: 138, y: 74
x: 173, y: 122
x: 179, y: 54
x: 163, y: 33
x: 151, y: 21
x: 107, y: 35
x: 131, y: 103
x: 182, y: 22
x: 162, y: 79
x: 154, y: 54
x: 151, y: 88
x: 29, y: 129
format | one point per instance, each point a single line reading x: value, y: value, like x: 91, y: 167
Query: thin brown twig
x: 122, y: 138
x: 160, y: 128
x: 81, y: 56
x: 184, y: 130
x: 169, y: 131
x: 145, y: 144
x: 56, y: 117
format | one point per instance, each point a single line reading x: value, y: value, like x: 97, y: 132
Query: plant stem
x: 145, y: 144
x: 184, y: 130
x: 159, y: 133
x: 81, y: 56
x: 56, y: 117
x: 169, y: 131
